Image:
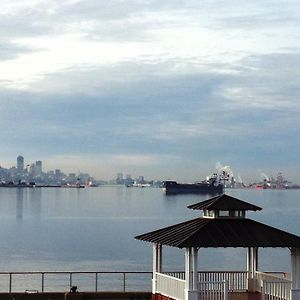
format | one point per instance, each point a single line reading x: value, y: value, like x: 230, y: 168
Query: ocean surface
x: 93, y: 229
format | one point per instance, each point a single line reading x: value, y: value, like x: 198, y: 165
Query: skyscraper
x: 20, y: 164
x: 38, y: 168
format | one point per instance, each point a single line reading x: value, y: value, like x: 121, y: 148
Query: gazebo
x: 223, y: 224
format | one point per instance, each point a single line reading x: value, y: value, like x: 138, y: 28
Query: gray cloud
x: 10, y: 50
x: 172, y: 105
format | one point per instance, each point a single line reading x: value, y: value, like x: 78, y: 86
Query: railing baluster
x: 96, y: 289
x: 43, y: 283
x: 71, y: 283
x: 10, y: 282
x: 124, y: 282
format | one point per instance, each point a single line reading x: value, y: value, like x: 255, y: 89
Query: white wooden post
x: 249, y: 262
x: 159, y: 258
x: 255, y: 261
x: 188, y: 257
x: 252, y: 263
x: 154, y: 268
x: 191, y: 286
x: 195, y: 268
x: 295, y: 260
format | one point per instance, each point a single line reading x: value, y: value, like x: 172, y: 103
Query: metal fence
x: 84, y: 281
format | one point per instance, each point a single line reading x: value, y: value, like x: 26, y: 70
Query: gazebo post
x: 295, y: 260
x: 252, y: 263
x: 159, y: 258
x: 195, y: 268
x: 157, y: 264
x: 248, y: 262
x: 191, y: 273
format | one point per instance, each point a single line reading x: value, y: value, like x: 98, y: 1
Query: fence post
x: 43, y: 282
x: 96, y: 282
x: 70, y: 280
x: 10, y: 282
x: 124, y: 282
x: 226, y: 289
x: 263, y: 286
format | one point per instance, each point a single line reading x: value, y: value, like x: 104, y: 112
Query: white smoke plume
x: 239, y: 179
x: 226, y: 169
x: 264, y: 176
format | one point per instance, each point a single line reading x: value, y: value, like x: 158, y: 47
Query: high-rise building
x: 128, y: 180
x: 58, y: 174
x: 20, y: 164
x: 141, y: 179
x: 120, y: 179
x: 38, y: 168
x: 32, y: 170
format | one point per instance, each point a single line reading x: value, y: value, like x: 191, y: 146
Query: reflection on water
x: 19, y: 202
x: 35, y: 201
x: 94, y: 228
x: 33, y: 195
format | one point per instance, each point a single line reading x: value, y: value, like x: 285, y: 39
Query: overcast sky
x: 164, y: 89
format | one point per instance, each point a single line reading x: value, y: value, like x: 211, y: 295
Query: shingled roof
x: 224, y: 202
x: 222, y: 231
x: 204, y: 232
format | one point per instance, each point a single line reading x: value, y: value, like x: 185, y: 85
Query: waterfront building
x: 58, y: 175
x: 85, y: 178
x: 223, y: 224
x: 120, y: 179
x: 38, y: 168
x: 129, y: 181
x: 32, y: 170
x: 72, y: 178
x: 141, y: 179
x: 20, y: 164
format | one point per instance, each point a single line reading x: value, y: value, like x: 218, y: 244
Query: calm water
x: 93, y: 229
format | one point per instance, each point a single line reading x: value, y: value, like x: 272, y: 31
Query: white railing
x: 211, y: 284
x: 276, y: 290
x: 170, y: 286
x: 178, y: 275
x: 274, y: 287
x: 237, y: 280
x: 213, y: 290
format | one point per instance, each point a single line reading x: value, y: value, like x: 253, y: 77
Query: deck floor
x: 245, y: 296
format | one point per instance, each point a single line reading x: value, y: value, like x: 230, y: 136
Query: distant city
x: 33, y: 174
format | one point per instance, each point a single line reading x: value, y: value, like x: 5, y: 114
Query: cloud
x: 148, y: 83
x: 80, y: 35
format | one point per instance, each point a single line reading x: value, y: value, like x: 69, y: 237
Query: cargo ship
x: 171, y: 187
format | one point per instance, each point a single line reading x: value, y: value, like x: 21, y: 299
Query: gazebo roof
x: 224, y: 202
x: 204, y: 232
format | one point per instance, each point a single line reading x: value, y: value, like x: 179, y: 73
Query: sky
x: 164, y: 89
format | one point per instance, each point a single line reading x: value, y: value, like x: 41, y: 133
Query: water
x: 93, y: 229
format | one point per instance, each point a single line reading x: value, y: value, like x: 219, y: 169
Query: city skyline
x: 34, y: 171
x: 166, y: 90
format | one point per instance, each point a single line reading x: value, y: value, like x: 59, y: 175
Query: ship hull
x: 173, y: 188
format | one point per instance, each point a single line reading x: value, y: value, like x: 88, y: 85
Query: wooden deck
x: 231, y: 296
x: 245, y: 296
